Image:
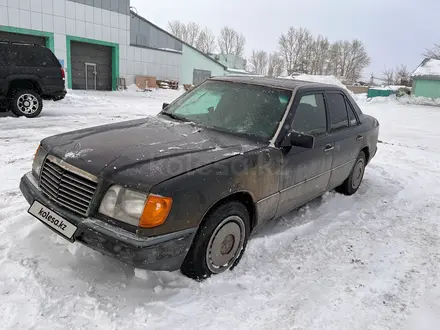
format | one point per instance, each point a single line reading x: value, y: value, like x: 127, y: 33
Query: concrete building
x: 426, y: 79
x: 100, y: 41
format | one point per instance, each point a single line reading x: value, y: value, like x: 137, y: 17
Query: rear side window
x: 338, y: 111
x: 31, y: 56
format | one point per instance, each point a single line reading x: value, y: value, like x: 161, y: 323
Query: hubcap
x: 358, y: 173
x: 27, y: 104
x: 225, y: 244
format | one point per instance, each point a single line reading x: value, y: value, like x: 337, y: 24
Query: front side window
x: 233, y: 107
x: 338, y: 111
x: 310, y: 115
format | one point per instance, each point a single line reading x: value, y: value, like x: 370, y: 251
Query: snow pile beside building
x: 418, y: 100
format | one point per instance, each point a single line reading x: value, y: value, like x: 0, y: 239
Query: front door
x: 91, y: 76
x: 305, y: 173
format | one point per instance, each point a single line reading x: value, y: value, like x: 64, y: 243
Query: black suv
x: 28, y: 74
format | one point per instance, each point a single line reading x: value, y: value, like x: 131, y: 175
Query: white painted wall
x: 63, y: 17
x: 192, y: 59
x: 143, y: 61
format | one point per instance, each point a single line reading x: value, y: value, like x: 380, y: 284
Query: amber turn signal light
x: 36, y: 151
x: 156, y: 211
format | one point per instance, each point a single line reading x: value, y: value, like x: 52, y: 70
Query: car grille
x: 67, y: 186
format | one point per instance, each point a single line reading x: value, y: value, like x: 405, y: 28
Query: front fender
x: 195, y: 193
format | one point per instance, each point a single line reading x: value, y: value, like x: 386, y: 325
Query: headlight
x: 39, y: 157
x: 135, y: 208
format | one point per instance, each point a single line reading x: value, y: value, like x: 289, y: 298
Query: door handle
x: 359, y: 137
x: 328, y: 148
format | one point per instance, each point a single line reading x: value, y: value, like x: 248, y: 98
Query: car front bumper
x: 161, y: 253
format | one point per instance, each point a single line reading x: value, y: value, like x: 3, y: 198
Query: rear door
x: 305, y: 173
x: 346, y: 135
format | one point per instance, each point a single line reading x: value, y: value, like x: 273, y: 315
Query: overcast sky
x: 393, y: 31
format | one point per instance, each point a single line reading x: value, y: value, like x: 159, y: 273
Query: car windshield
x: 233, y: 107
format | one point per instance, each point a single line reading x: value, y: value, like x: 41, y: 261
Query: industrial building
x: 100, y: 41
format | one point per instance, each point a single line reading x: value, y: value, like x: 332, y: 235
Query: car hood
x: 145, y: 152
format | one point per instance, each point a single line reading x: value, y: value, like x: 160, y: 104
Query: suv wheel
x: 219, y: 243
x: 27, y: 103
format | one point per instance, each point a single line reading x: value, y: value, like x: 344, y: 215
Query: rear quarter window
x: 354, y: 105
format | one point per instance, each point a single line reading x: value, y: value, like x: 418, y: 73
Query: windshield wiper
x: 174, y: 116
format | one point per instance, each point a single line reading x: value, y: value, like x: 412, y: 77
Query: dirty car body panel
x: 200, y: 166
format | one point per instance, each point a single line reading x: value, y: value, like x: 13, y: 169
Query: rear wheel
x: 354, y: 180
x: 26, y: 103
x: 219, y: 243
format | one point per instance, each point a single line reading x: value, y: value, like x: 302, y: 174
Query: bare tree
x: 357, y: 60
x: 275, y: 66
x: 239, y: 46
x: 388, y: 76
x: 347, y: 59
x: 319, y: 55
x: 188, y: 33
x: 292, y: 45
x: 193, y: 32
x: 401, y: 75
x: 304, y: 62
x: 231, y: 42
x: 178, y: 29
x: 433, y: 52
x: 334, y: 59
x: 227, y: 40
x: 258, y: 62
x: 206, y: 42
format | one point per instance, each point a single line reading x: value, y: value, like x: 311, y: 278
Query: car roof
x: 285, y: 83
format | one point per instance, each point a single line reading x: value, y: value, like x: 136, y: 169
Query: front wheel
x: 353, y: 182
x: 27, y: 103
x: 219, y: 243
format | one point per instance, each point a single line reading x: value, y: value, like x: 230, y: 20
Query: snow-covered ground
x: 370, y: 261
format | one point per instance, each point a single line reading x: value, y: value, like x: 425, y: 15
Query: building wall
x: 118, y: 6
x: 426, y: 88
x: 145, y: 34
x: 142, y: 61
x: 194, y: 60
x: 60, y: 19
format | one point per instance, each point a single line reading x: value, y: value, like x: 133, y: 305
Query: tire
x: 219, y: 243
x: 354, y: 180
x: 26, y: 103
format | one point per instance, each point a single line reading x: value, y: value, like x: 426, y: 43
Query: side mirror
x: 296, y: 139
x: 165, y: 105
